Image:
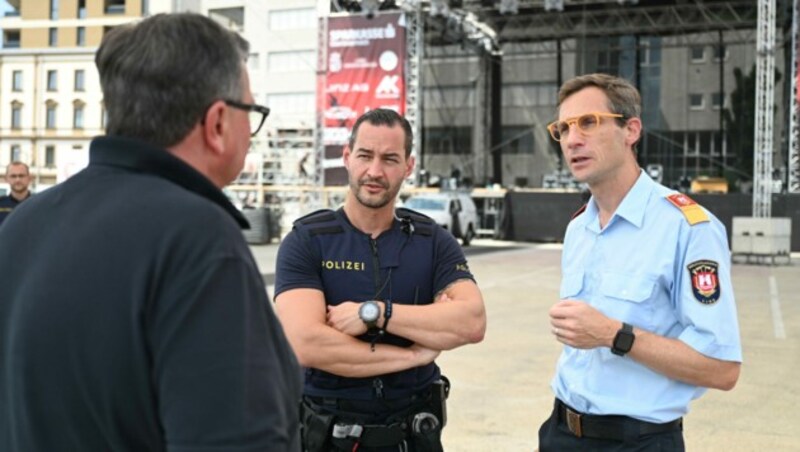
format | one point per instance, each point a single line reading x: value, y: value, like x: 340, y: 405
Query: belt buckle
x: 574, y: 423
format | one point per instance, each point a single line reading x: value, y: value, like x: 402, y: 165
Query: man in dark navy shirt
x: 137, y: 319
x: 18, y: 177
x: 369, y: 297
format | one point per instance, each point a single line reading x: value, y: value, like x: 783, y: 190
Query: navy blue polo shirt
x: 7, y: 204
x: 408, y: 265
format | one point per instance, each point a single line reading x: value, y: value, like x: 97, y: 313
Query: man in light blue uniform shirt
x: 647, y: 312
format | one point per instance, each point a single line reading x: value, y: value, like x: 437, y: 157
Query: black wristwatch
x: 623, y: 341
x: 369, y: 312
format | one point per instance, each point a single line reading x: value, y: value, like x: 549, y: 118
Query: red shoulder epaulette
x: 578, y: 212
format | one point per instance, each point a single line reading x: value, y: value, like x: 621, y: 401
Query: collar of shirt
x: 140, y: 156
x: 632, y: 208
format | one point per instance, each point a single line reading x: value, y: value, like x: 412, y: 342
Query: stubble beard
x: 365, y: 199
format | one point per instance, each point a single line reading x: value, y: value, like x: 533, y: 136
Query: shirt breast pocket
x: 628, y: 298
x: 571, y: 286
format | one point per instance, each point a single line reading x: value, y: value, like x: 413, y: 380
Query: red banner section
x: 365, y: 70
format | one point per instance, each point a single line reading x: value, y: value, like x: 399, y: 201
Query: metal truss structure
x: 794, y: 135
x: 765, y: 97
x: 322, y: 67
x: 414, y: 54
x: 487, y: 24
x: 586, y: 18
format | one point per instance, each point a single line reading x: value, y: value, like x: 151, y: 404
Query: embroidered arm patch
x: 705, y: 281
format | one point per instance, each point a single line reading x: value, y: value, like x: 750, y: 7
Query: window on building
x: 16, y: 115
x: 16, y: 153
x: 79, y: 76
x: 717, y: 100
x: 232, y: 18
x: 50, y: 119
x: 698, y: 54
x: 16, y: 80
x: 50, y: 156
x: 53, y: 9
x: 254, y: 62
x: 77, y: 116
x: 114, y: 6
x: 292, y: 103
x: 720, y: 52
x: 10, y: 39
x: 448, y: 140
x: 530, y: 95
x: 81, y: 9
x: 293, y: 19
x: 696, y: 102
x: 518, y: 140
x: 299, y: 60
x: 52, y: 38
x: 455, y: 98
x: 80, y: 37
x: 52, y: 80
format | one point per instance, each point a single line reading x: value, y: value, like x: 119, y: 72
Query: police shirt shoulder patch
x: 317, y: 216
x: 691, y: 210
x: 705, y: 281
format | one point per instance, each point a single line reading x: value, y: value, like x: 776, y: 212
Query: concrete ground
x: 501, y: 391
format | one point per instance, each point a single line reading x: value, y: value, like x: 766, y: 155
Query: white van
x: 455, y: 211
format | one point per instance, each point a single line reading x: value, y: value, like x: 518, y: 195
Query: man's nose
x: 375, y: 166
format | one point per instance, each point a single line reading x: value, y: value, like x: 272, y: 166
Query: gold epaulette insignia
x: 691, y: 210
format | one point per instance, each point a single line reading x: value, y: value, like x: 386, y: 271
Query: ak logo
x: 388, y: 88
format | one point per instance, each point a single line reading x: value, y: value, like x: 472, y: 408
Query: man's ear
x: 346, y: 156
x: 410, y: 161
x: 633, y: 129
x: 215, y: 125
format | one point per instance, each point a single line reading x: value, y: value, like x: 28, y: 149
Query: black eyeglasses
x: 258, y: 114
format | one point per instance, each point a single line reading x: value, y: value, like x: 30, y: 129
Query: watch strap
x: 387, y: 314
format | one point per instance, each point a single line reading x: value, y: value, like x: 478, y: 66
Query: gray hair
x: 159, y: 76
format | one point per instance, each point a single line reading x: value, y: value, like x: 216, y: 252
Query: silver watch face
x: 369, y: 311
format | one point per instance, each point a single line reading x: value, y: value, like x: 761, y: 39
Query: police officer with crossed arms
x: 368, y: 297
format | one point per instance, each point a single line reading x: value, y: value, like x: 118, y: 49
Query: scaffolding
x: 794, y: 135
x: 765, y: 89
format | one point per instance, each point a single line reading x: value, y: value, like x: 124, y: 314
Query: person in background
x: 18, y: 177
x: 138, y: 320
x: 647, y: 314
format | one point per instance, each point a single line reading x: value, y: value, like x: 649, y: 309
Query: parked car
x: 455, y: 211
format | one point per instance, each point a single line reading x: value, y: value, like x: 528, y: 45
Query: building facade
x: 51, y: 104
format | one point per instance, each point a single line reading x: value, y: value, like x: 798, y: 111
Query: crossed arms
x: 325, y: 338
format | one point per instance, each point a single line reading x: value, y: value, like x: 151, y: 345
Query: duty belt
x: 610, y: 427
x: 371, y: 435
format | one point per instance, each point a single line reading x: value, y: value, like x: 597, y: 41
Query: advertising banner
x: 364, y: 70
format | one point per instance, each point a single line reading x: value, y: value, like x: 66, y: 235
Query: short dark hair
x: 160, y: 75
x: 384, y: 117
x: 18, y: 163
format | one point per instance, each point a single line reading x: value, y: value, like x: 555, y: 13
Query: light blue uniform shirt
x: 637, y: 270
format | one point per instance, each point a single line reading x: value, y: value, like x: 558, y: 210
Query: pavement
x: 501, y: 387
